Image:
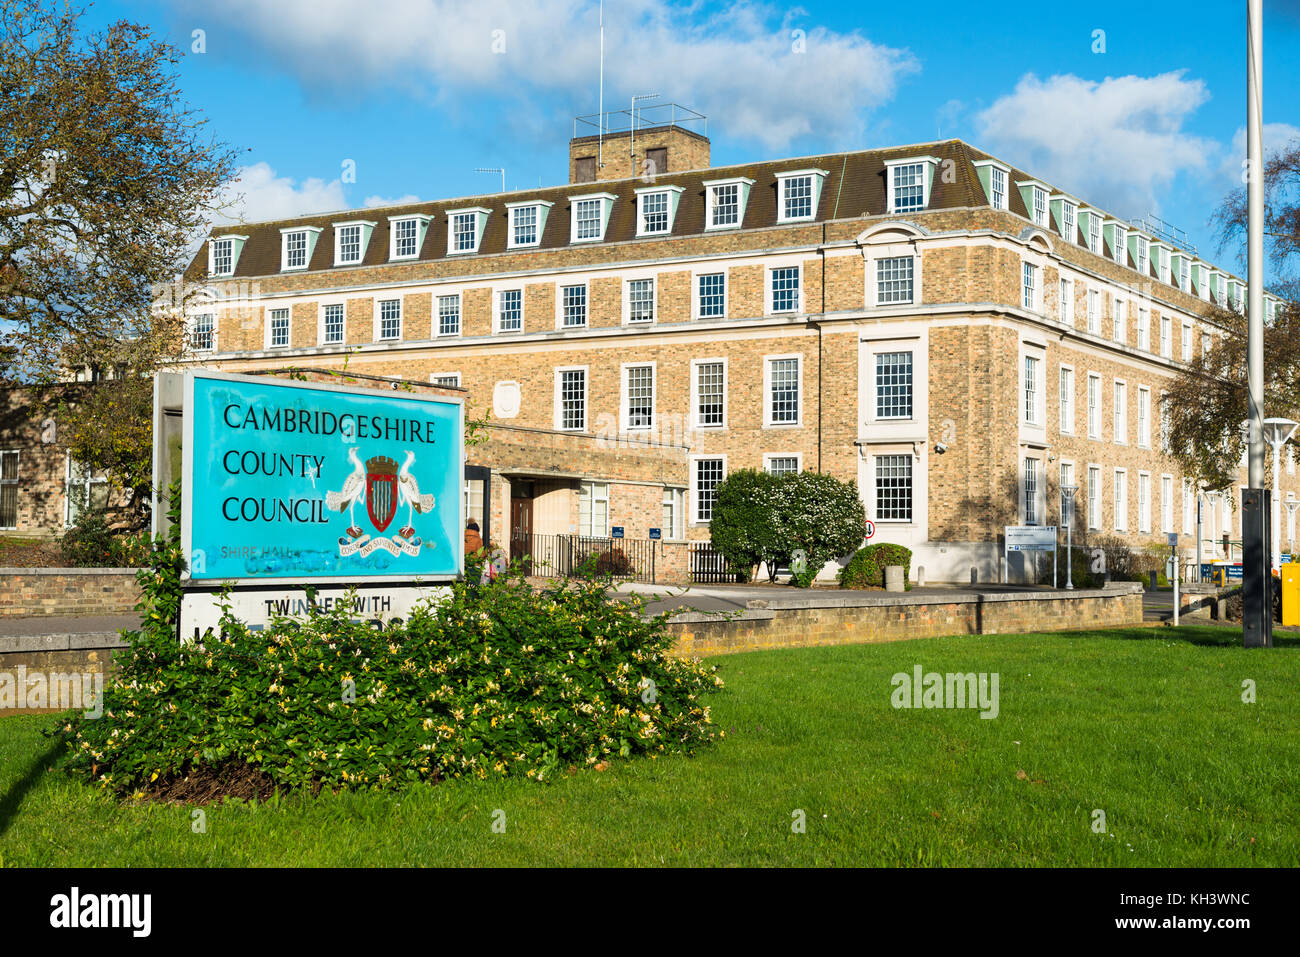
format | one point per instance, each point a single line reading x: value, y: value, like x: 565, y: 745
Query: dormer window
x: 223, y: 255
x: 1141, y: 255
x: 1116, y: 233
x: 350, y: 242
x: 725, y: 201
x: 1184, y: 274
x: 1090, y: 220
x: 406, y: 235
x: 798, y: 195
x: 296, y: 246
x: 590, y: 217
x: 994, y: 177
x: 465, y: 229
x: 527, y: 222
x: 1066, y: 213
x: 908, y: 184
x: 656, y: 209
x: 1034, y: 194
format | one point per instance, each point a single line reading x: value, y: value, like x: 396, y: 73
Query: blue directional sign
x: 305, y: 481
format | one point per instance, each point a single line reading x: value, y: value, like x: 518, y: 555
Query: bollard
x: 974, y: 575
x: 920, y: 574
x: 894, y: 578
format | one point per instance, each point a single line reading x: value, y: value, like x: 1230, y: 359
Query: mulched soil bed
x: 209, y: 785
x: 30, y: 553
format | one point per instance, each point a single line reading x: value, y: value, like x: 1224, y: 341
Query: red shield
x: 381, y: 494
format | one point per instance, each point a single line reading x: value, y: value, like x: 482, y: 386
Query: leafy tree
x: 1208, y: 402
x: 743, y: 527
x: 106, y: 178
x: 820, y: 516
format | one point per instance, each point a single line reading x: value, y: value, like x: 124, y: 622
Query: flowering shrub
x: 496, y: 680
x: 866, y: 569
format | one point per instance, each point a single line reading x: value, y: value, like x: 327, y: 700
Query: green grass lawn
x: 1146, y: 724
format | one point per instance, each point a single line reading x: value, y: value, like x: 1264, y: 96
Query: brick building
x: 948, y: 330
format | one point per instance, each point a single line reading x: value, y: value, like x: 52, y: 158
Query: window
x: 997, y: 187
x: 893, y: 385
x: 1166, y: 504
x: 1166, y: 425
x: 84, y: 489
x: 1067, y: 474
x: 1094, y: 234
x: 1163, y: 260
x: 640, y: 300
x: 447, y: 379
x: 1144, y: 502
x: 295, y: 250
x: 674, y: 514
x: 1186, y: 342
x: 222, y: 261
x: 593, y: 509
x: 1121, y: 254
x: 348, y: 250
x: 573, y: 305
x: 724, y: 205
x: 1167, y: 336
x: 464, y: 233
x: 1029, y: 284
x: 907, y: 187
x: 527, y: 221
x: 1121, y: 500
x: 1185, y: 274
x: 406, y: 238
x: 783, y: 391
x: 785, y: 289
x: 638, y: 396
x: 1094, y: 406
x: 894, y: 280
x: 712, y: 295
x: 1030, y: 491
x: 1144, y: 330
x: 708, y: 476
x: 893, y: 488
x: 1067, y: 400
x: 1140, y: 254
x: 1144, y: 417
x: 1038, y: 205
x: 1189, y: 508
x: 653, y: 213
x: 781, y: 464
x: 510, y: 310
x: 1206, y: 343
x: 1120, y: 308
x: 203, y: 332
x: 1094, y: 312
x: 1068, y: 228
x: 390, y: 319
x: 1066, y: 301
x: 572, y: 387
x: 449, y: 315
x: 1121, y: 413
x: 279, y: 328
x: 9, y: 489
x: 796, y: 197
x: 710, y: 394
x: 588, y: 218
x: 333, y: 323
x: 1094, y: 498
x: 1031, y: 390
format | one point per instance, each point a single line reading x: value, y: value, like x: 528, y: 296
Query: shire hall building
x: 956, y: 335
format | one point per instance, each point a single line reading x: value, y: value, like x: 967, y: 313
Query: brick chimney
x: 670, y: 146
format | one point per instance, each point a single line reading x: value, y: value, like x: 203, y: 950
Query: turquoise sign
x: 297, y: 481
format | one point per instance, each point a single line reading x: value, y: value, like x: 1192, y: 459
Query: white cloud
x: 374, y: 202
x: 258, y: 193
x: 745, y: 66
x: 1118, y: 142
x: 1276, y: 136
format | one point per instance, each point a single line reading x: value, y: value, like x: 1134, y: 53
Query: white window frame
x: 1144, y: 502
x: 695, y: 394
x: 1038, y: 494
x: 1119, y: 493
x: 1031, y: 393
x: 310, y: 234
x: 543, y: 208
x: 322, y: 330
x: 212, y: 332
x: 991, y: 174
x: 1166, y: 503
x: 1119, y: 414
x: 927, y: 164
x: 873, y: 277
x: 85, y: 484
x: 672, y: 196
x: 436, y: 315
x: 693, y: 462
x: 1031, y: 292
x: 695, y: 293
x: 606, y: 201
x: 1095, y: 412
x: 270, y: 342
x: 914, y: 507
x: 421, y: 228
x: 1093, y: 311
x: 478, y: 217
x: 236, y: 247
x: 627, y: 300
x: 624, y: 411
x: 377, y: 331
x: 559, y: 305
x: 1144, y: 329
x: 769, y: 456
x: 364, y: 228
x: 1065, y: 398
x: 1094, y: 491
x: 1144, y: 418
x: 498, y: 311
x: 674, y: 498
x: 1065, y: 300
x: 768, y: 421
x: 1187, y: 344
x: 559, y: 403
x: 1166, y: 336
x: 593, y: 493
x: 770, y: 289
x: 743, y: 186
x: 439, y: 378
x: 1120, y: 319
x: 816, y: 177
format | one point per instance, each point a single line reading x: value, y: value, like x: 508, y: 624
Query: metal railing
x: 570, y: 556
x: 709, y: 565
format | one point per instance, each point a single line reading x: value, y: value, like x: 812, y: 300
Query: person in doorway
x: 473, y: 540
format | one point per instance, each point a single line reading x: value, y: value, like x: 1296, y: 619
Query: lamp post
x: 1067, y: 519
x: 1291, y: 504
x: 1276, y: 433
x: 1213, y: 496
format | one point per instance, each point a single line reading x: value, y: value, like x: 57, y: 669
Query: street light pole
x: 1278, y: 431
x: 1067, y: 519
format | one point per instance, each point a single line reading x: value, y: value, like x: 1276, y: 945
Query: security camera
x: 941, y: 447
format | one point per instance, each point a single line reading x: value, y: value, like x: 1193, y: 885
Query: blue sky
x: 1145, y: 117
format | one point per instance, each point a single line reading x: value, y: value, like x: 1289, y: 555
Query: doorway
x: 521, y: 520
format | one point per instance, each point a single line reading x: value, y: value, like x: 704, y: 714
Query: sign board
x: 1030, y: 538
x: 306, y: 482
x: 381, y: 605
x: 871, y: 529
x: 656, y: 534
x: 1173, y: 539
x: 616, y: 531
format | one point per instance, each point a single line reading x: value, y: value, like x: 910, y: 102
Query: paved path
x: 66, y: 625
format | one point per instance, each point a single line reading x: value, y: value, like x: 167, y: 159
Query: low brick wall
x: 800, y: 622
x: 25, y: 592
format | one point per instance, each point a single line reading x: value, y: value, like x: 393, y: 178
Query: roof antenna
x: 600, y: 135
x: 501, y: 170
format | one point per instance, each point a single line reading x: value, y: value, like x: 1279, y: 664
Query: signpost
x: 1173, y: 560
x: 1029, y: 538
x: 871, y: 529
x: 288, y: 484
